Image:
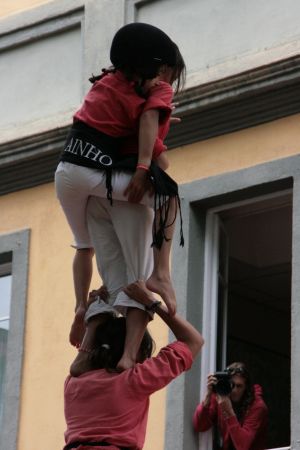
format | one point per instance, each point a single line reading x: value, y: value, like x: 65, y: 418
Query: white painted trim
x: 251, y: 200
x: 242, y: 63
x: 132, y: 7
x: 209, y: 325
x: 281, y: 448
x: 225, y: 309
x: 3, y: 319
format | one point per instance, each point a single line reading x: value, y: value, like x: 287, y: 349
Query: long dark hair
x: 239, y: 368
x: 109, y: 344
x: 178, y: 71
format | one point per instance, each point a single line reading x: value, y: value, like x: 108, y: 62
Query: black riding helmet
x: 143, y: 48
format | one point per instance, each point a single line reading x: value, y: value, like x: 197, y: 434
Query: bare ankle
x: 126, y: 362
x: 80, y: 307
x: 160, y: 275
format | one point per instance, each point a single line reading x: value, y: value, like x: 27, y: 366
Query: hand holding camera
x: 215, y: 383
x: 220, y: 384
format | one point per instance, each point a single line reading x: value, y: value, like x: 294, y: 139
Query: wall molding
x: 30, y: 161
x: 251, y: 98
x: 132, y: 8
x: 41, y: 29
x: 235, y: 103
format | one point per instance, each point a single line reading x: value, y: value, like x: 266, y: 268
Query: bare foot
x: 78, y: 327
x: 163, y: 287
x: 125, y: 363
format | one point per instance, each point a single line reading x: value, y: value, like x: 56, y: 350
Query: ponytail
x: 104, y: 71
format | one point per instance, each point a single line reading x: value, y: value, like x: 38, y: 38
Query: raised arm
x: 182, y: 329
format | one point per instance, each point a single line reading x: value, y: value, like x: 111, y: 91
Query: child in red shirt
x: 127, y: 111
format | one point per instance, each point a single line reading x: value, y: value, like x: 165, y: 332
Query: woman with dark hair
x: 241, y: 416
x: 106, y: 408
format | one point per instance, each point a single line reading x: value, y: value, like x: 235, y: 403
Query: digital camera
x: 223, y: 385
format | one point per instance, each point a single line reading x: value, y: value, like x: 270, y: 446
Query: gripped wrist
x: 153, y: 306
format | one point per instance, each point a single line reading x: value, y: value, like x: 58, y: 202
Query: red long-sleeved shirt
x: 248, y: 435
x: 113, y: 407
x: 113, y: 107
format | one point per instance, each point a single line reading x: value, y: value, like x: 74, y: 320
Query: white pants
x: 75, y: 184
x: 121, y: 236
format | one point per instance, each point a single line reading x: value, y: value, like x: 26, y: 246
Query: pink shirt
x: 113, y: 407
x: 113, y: 107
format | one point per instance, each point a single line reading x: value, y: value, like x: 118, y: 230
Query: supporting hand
x: 102, y: 292
x: 138, y: 186
x: 225, y: 405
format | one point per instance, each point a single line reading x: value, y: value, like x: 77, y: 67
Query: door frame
x: 197, y: 197
x: 210, y: 295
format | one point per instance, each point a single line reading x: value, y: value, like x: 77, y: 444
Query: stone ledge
x: 251, y: 98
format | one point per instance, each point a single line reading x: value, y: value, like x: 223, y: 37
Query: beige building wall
x: 8, y: 7
x: 50, y: 301
x: 234, y: 151
x: 50, y: 304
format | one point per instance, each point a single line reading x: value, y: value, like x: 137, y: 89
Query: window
x: 5, y: 295
x: 13, y: 294
x: 248, y: 277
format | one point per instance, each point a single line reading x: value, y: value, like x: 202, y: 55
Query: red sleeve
x: 243, y: 435
x: 205, y: 416
x: 160, y: 97
x: 155, y: 373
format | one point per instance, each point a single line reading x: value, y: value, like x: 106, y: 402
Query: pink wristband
x: 142, y: 166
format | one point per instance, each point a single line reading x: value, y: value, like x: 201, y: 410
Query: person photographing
x: 236, y: 407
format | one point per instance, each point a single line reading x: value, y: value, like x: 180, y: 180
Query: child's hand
x: 102, y: 292
x: 173, y: 119
x: 138, y: 186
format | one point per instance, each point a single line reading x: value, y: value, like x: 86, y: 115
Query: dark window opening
x: 255, y: 302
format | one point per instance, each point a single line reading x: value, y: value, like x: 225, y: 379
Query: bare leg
x: 136, y: 323
x: 82, y: 275
x: 160, y: 279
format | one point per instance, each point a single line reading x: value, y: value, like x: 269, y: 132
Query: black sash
x: 86, y: 146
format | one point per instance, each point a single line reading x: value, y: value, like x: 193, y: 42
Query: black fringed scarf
x: 86, y: 146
